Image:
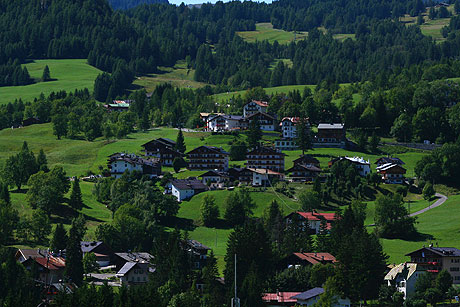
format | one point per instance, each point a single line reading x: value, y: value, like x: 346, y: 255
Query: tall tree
x: 75, y: 200
x: 42, y: 162
x: 40, y: 225
x: 238, y: 207
x: 9, y: 219
x: 303, y: 135
x: 59, y: 240
x: 209, y: 211
x: 254, y: 134
x: 180, y: 142
x: 59, y: 125
x: 392, y: 219
x: 46, y: 76
x: 74, y: 261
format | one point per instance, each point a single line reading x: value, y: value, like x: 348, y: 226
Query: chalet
x: 118, y: 105
x: 205, y: 116
x: 363, y: 166
x: 266, y: 122
x: 215, y: 178
x: 311, y: 297
x: 102, y: 251
x: 120, y: 259
x: 279, y: 299
x: 264, y: 177
x: 434, y: 259
x: 50, y: 268
x: 23, y: 254
x: 198, y: 253
x: 307, y: 159
x: 224, y: 122
x: 134, y: 273
x: 266, y: 158
x: 391, y: 173
x: 296, y: 260
x: 254, y: 107
x: 304, y: 172
x: 288, y: 127
x: 385, y: 160
x: 403, y: 277
x: 185, y: 188
x: 163, y: 149
x: 311, y: 219
x: 208, y: 158
x: 330, y: 135
x: 243, y: 175
x: 119, y: 163
x: 286, y: 144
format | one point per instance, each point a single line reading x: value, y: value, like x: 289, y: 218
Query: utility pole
x: 235, y: 300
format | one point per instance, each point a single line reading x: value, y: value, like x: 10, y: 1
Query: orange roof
x: 311, y: 216
x: 53, y: 263
x: 261, y: 103
x: 315, y: 258
x: 280, y: 297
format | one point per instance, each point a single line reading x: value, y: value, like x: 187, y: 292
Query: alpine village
x: 239, y: 154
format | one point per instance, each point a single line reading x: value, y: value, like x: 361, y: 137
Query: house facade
x: 265, y: 158
x: 50, y: 269
x: 184, y: 189
x: 224, y: 122
x: 307, y: 159
x: 198, y: 253
x: 119, y: 163
x: 264, y: 177
x: 254, y: 107
x: 134, y: 273
x: 303, y: 172
x: 286, y: 144
x: 330, y: 135
x: 208, y: 158
x: 266, y: 122
x: 434, y: 259
x: 215, y: 178
x: 312, y: 220
x: 391, y: 173
x: 163, y: 149
x: 403, y: 277
x: 243, y: 175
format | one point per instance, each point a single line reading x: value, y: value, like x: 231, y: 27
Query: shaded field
x: 69, y: 75
x: 265, y: 31
x: 178, y: 76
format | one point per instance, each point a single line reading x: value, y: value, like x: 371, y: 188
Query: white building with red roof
x: 312, y: 219
x: 279, y: 299
x: 254, y: 107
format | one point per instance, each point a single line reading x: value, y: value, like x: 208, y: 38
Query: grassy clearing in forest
x: 265, y: 31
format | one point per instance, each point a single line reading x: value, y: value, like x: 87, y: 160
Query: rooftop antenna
x: 235, y: 300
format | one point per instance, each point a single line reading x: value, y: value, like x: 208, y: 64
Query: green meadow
x: 265, y: 31
x: 68, y: 75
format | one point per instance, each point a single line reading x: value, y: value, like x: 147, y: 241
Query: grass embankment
x: 67, y: 75
x: 178, y: 75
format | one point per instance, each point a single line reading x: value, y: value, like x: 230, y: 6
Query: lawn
x: 433, y: 28
x: 178, y: 76
x: 265, y: 31
x: 70, y: 74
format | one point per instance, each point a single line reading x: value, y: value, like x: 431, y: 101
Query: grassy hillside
x: 265, y: 31
x: 68, y: 74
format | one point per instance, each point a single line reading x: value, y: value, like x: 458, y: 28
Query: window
x: 457, y: 278
x: 455, y: 269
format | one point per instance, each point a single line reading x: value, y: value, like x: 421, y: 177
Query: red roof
x: 53, y: 263
x: 315, y: 258
x: 312, y: 216
x: 280, y: 297
x: 261, y: 103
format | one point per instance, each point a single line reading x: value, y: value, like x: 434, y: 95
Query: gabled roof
x: 213, y: 174
x: 133, y: 159
x: 164, y: 141
x: 128, y: 266
x: 260, y: 114
x: 226, y: 117
x: 31, y: 253
x: 315, y: 258
x: 279, y: 297
x: 389, y: 166
x: 306, y: 159
x: 258, y: 102
x: 197, y: 245
x: 309, y: 294
x: 404, y: 269
x: 53, y: 263
x: 265, y: 150
x: 264, y: 171
x: 306, y: 167
x: 330, y: 126
x: 441, y: 251
x: 88, y: 246
x: 313, y: 216
x: 394, y: 160
x: 188, y: 184
x: 135, y: 256
x: 213, y: 149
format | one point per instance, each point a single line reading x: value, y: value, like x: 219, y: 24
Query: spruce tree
x: 74, y: 261
x: 303, y: 133
x: 4, y: 193
x: 75, y: 200
x: 42, y: 162
x: 254, y: 134
x: 180, y: 142
x: 46, y: 74
x: 59, y: 240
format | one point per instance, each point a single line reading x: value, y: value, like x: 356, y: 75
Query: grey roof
x: 442, y: 251
x: 133, y: 159
x: 330, y: 126
x: 210, y: 148
x: 197, y: 245
x: 126, y: 268
x: 213, y: 173
x: 309, y: 294
x: 188, y: 184
x: 135, y: 256
x: 88, y: 246
x: 393, y: 160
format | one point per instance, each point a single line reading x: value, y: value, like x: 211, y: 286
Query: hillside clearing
x: 265, y: 31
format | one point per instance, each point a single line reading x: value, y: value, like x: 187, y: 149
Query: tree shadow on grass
x: 66, y: 214
x: 178, y: 222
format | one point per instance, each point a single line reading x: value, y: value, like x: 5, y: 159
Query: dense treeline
x: 127, y: 4
x: 13, y: 74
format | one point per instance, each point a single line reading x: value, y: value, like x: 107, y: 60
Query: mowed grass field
x: 265, y: 31
x: 70, y: 74
x: 178, y: 76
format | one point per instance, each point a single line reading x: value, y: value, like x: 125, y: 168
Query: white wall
x: 182, y: 194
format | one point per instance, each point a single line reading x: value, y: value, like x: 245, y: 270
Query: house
x: 254, y: 107
x: 363, y: 166
x: 102, y: 251
x: 118, y: 105
x: 310, y: 297
x: 205, y: 116
x: 224, y: 122
x: 279, y: 299
x: 312, y: 219
x: 120, y: 259
x: 185, y: 188
x: 289, y: 127
x: 163, y: 149
x: 198, y: 253
x: 119, y: 163
x: 304, y: 172
x: 286, y: 144
x: 403, y: 277
x: 384, y: 160
x: 307, y: 159
x: 434, y: 259
x: 330, y: 135
x: 243, y: 175
x: 134, y: 273
x: 208, y: 158
x: 215, y: 178
x: 50, y: 269
x: 296, y: 260
x: 30, y: 121
x: 391, y: 173
x: 265, y: 121
x: 264, y: 177
x: 22, y: 254
x: 266, y: 158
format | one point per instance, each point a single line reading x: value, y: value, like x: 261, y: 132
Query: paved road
x: 439, y: 202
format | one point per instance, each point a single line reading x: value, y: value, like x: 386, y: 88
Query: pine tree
x: 180, y: 142
x: 303, y: 135
x: 42, y: 162
x: 74, y: 261
x: 46, y: 74
x: 75, y: 200
x: 254, y: 134
x: 59, y: 240
x: 4, y: 193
